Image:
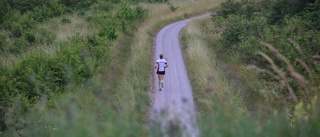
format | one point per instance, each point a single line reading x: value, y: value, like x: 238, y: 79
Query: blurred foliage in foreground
x: 280, y: 39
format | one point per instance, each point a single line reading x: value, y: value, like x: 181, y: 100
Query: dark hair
x: 161, y: 56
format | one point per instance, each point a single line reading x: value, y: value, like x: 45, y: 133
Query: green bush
x: 3, y: 105
x: 45, y: 36
x: 95, y: 40
x: 313, y: 14
x: 3, y: 43
x: 72, y: 115
x: 18, y: 23
x: 30, y: 36
x: 234, y: 29
x: 128, y: 15
x: 105, y: 6
x: 173, y: 8
x: 284, y: 8
x: 18, y: 45
x: 276, y: 125
x: 292, y: 43
x: 43, y: 13
x: 228, y: 7
x: 4, y: 10
x: 140, y: 12
x: 16, y: 29
x: 26, y: 5
x: 65, y: 21
x: 78, y: 4
x: 109, y: 32
x: 156, y: 1
x: 37, y: 75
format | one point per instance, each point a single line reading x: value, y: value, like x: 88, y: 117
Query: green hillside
x: 78, y: 68
x: 82, y: 67
x: 254, y: 68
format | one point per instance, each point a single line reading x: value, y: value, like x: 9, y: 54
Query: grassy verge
x: 231, y: 100
x: 133, y: 90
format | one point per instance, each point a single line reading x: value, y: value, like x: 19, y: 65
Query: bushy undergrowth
x: 71, y: 65
x: 223, y: 105
x: 279, y: 40
x: 85, y: 112
x: 219, y: 123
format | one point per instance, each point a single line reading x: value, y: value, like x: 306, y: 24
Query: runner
x: 161, y: 64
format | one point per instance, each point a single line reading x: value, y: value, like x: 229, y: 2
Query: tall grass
x: 223, y: 108
x: 207, y: 77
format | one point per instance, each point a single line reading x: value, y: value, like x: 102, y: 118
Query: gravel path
x: 173, y: 107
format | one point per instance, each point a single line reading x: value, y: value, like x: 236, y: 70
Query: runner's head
x: 161, y: 56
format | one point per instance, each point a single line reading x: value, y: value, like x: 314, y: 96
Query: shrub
x: 127, y: 15
x: 173, y: 8
x: 3, y: 43
x: 45, y: 36
x: 313, y: 14
x: 109, y: 32
x: 37, y: 75
x: 285, y: 48
x: 27, y: 5
x: 78, y: 4
x: 18, y: 45
x: 159, y: 1
x: 4, y: 10
x: 4, y: 96
x: 17, y: 23
x: 234, y: 29
x: 284, y: 8
x: 65, y: 21
x: 16, y: 29
x: 94, y: 40
x: 45, y: 12
x: 30, y: 36
x: 105, y: 6
x: 140, y: 12
x: 228, y: 7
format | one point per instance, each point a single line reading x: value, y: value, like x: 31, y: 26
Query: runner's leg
x: 162, y: 79
x: 159, y: 80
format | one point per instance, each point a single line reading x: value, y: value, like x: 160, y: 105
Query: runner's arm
x: 156, y: 66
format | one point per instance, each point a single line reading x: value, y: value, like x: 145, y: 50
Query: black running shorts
x: 161, y: 72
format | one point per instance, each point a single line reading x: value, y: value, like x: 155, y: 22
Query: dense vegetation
x: 32, y: 73
x: 57, y: 92
x: 280, y: 39
x: 257, y: 73
x: 254, y: 68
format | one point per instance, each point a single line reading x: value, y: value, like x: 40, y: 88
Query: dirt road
x: 173, y: 107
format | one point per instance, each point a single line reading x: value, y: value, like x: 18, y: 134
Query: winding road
x: 173, y: 107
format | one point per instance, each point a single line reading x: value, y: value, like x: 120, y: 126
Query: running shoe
x: 159, y: 89
x: 162, y: 85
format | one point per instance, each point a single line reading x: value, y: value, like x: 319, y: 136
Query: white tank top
x: 162, y: 63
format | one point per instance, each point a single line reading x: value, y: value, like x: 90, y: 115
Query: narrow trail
x: 173, y: 108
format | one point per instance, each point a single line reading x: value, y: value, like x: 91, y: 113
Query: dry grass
x: 209, y: 81
x: 9, y: 59
x: 63, y: 31
x: 77, y: 26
